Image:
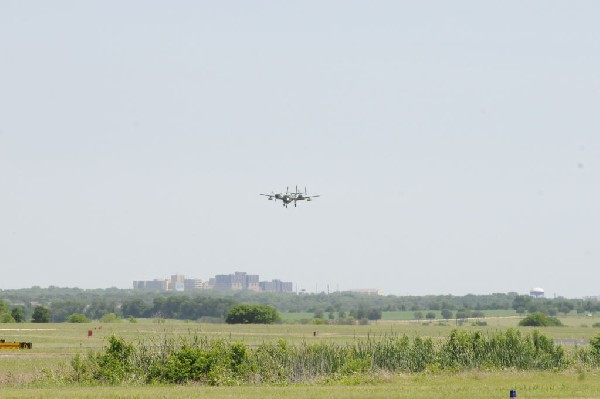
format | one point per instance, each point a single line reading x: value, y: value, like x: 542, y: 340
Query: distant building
x: 276, y: 286
x: 156, y: 285
x: 367, y: 291
x: 536, y: 292
x: 238, y: 281
x: 223, y: 282
x: 190, y: 284
x: 177, y: 283
x: 252, y: 283
x: 226, y: 282
x: 287, y: 286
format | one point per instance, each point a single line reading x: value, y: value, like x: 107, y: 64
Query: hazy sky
x: 456, y: 144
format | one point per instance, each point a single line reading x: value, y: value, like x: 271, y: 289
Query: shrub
x: 252, y: 314
x: 446, y: 314
x: 193, y: 359
x: 540, y: 320
x: 113, y: 365
x: 595, y: 344
x: 78, y: 318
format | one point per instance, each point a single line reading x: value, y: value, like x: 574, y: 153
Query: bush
x: 78, y: 318
x: 446, y: 314
x: 595, y: 344
x: 194, y: 359
x: 540, y: 320
x: 6, y: 318
x: 252, y: 314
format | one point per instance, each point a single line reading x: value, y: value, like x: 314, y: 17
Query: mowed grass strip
x: 530, y: 385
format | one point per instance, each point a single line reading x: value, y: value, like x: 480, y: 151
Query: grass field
x: 55, y: 344
x: 448, y: 386
x: 399, y: 315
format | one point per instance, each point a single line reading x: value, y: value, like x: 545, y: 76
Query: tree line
x: 58, y: 304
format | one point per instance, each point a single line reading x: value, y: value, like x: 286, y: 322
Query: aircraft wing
x: 272, y: 196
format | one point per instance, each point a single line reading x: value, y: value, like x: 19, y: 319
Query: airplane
x: 288, y: 197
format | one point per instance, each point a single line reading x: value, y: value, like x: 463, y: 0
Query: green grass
x: 295, y: 317
x: 54, y: 344
x: 410, y: 315
x: 67, y: 338
x: 478, y: 385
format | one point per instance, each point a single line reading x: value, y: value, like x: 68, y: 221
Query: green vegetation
x: 18, y: 315
x: 110, y: 318
x: 198, y: 359
x: 480, y: 385
x: 78, y: 318
x: 252, y: 314
x: 540, y: 320
x: 6, y: 315
x: 478, y: 336
x: 55, y: 344
x: 40, y: 315
x: 334, y: 308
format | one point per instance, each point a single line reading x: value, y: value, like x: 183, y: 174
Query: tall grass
x: 194, y: 358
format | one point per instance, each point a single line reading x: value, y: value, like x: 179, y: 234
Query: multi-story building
x: 253, y: 283
x: 237, y: 281
x: 156, y: 284
x: 177, y: 282
x: 223, y: 282
x: 276, y: 286
x: 190, y: 284
x: 226, y: 282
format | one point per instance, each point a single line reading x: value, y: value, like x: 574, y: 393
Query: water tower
x: 537, y: 292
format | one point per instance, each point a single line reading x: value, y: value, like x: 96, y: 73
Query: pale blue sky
x: 456, y: 145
